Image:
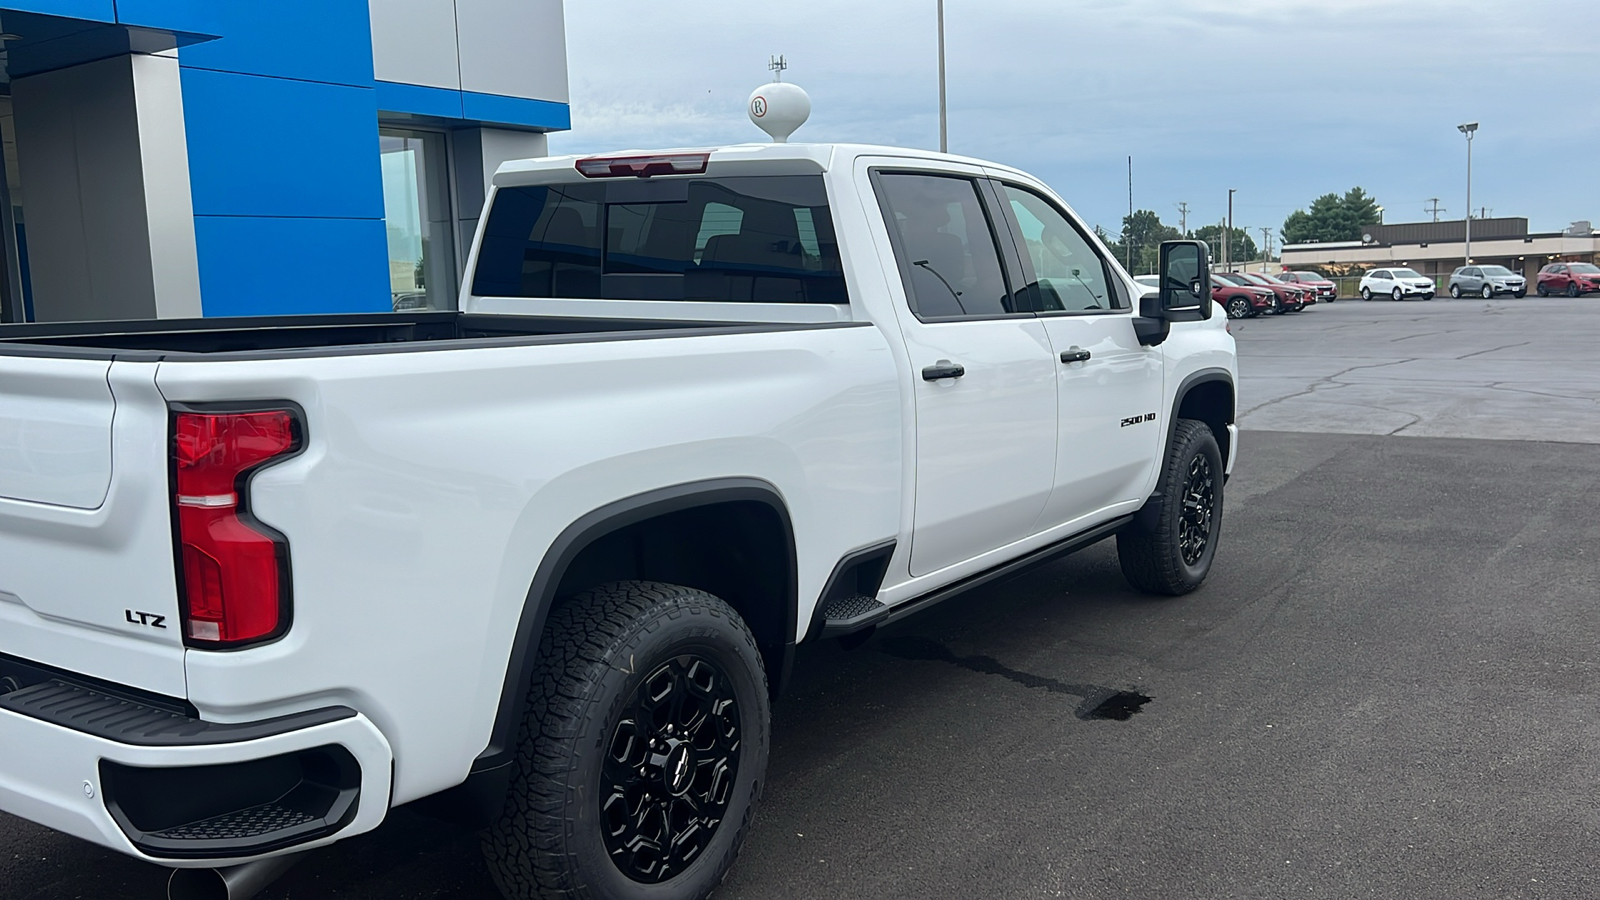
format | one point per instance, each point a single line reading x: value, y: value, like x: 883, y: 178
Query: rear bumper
x: 57, y: 776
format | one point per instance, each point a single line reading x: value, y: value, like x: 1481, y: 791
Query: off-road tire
x: 597, y: 649
x: 1149, y: 547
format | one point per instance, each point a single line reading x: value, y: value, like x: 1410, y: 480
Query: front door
x: 1109, y: 386
x: 982, y: 372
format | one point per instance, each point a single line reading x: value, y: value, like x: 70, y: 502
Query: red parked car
x: 1240, y: 298
x: 1571, y: 279
x: 1290, y: 298
x: 1326, y: 291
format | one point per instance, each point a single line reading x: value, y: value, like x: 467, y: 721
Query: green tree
x: 1332, y: 218
x: 1242, y: 248
x: 1144, y: 232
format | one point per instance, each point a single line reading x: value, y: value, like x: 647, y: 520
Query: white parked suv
x: 541, y: 563
x: 1397, y: 284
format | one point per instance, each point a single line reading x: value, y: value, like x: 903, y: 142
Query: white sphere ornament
x: 779, y: 109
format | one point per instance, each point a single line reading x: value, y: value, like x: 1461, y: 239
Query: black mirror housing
x: 1185, y: 293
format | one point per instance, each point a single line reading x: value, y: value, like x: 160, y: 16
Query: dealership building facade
x: 1439, y: 248
x: 177, y: 158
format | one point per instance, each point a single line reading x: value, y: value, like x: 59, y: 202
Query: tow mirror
x: 1185, y: 294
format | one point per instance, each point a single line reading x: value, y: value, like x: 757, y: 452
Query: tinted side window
x: 946, y: 246
x: 752, y: 239
x: 1064, y: 271
x: 1380, y: 274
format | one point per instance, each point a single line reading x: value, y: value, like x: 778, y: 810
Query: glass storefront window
x: 416, y: 203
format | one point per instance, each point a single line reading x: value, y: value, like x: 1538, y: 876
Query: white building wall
x: 513, y: 48
x: 414, y: 42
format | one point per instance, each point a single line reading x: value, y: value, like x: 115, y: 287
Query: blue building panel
x: 196, y: 16
x: 310, y: 40
x: 417, y: 100
x: 275, y: 147
x: 261, y: 267
x: 544, y: 115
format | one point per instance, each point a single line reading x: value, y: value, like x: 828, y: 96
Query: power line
x: 1436, y: 208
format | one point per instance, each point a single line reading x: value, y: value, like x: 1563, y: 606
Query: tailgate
x: 86, y: 552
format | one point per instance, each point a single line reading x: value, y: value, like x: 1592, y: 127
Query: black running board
x: 1015, y: 567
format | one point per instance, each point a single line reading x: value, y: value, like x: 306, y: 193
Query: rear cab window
x: 734, y: 239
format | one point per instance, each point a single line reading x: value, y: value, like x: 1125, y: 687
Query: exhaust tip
x: 233, y: 883
x: 197, y: 884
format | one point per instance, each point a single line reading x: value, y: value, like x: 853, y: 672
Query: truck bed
x: 331, y: 334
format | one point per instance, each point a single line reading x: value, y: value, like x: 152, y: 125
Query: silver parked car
x: 1486, y: 281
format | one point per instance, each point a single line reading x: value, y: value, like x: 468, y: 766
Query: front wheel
x: 1169, y: 547
x: 1238, y: 308
x: 1519, y: 294
x: 1397, y: 295
x: 1366, y: 293
x: 1572, y: 289
x: 1488, y: 292
x: 642, y: 751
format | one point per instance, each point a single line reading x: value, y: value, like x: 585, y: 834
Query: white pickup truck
x: 543, y: 561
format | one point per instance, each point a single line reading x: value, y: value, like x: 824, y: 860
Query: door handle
x: 944, y: 368
x: 1075, y: 354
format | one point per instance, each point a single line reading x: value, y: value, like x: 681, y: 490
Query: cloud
x: 1281, y: 99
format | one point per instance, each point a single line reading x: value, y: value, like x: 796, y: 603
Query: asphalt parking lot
x: 1387, y: 688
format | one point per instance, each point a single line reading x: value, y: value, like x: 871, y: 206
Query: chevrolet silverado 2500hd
x: 544, y: 560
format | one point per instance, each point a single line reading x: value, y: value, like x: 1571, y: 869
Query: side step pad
x: 848, y: 615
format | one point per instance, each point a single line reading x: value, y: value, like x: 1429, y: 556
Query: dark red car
x: 1240, y: 299
x: 1571, y: 279
x: 1290, y: 298
x: 1326, y: 291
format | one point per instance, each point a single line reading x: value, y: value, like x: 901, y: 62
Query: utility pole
x: 1266, y: 247
x: 1227, y: 235
x: 1436, y: 208
x: 1183, y: 219
x: 944, y: 123
x: 1127, y: 238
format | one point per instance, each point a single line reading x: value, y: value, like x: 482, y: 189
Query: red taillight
x: 235, y: 577
x: 644, y: 166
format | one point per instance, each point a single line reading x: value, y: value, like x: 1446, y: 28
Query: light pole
x: 1468, y: 129
x: 944, y: 130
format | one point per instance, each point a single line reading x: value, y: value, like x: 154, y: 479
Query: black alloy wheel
x: 642, y: 752
x: 1199, y: 501
x: 1238, y: 308
x: 1572, y: 289
x: 669, y: 769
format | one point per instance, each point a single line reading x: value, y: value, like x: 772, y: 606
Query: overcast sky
x: 1282, y: 99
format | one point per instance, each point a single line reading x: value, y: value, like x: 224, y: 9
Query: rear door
x: 86, y: 553
x: 983, y: 377
x: 1108, y: 385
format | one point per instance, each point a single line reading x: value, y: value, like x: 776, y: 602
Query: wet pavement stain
x: 1098, y: 702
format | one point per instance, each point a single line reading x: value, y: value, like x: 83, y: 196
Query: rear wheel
x: 1397, y: 294
x: 1366, y: 294
x: 1455, y: 291
x: 1572, y: 289
x: 1542, y: 291
x: 642, y: 751
x: 1238, y: 308
x: 1169, y: 547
